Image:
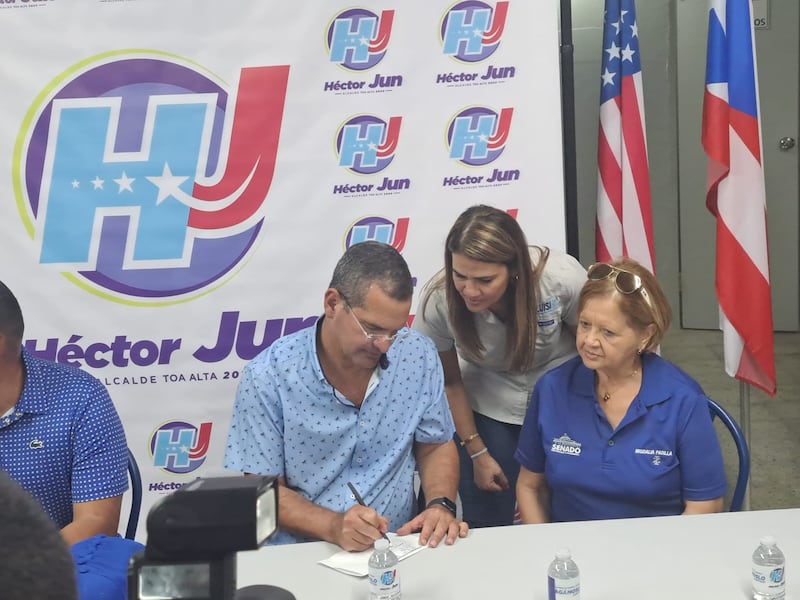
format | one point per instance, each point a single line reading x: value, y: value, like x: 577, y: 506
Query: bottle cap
x: 768, y: 540
x: 563, y: 554
x: 381, y: 545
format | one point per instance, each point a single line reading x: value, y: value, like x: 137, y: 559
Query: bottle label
x: 384, y: 583
x: 561, y: 589
x: 768, y: 580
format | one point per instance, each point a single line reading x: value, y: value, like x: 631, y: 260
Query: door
x: 777, y: 49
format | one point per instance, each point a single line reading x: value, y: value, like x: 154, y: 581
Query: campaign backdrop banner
x: 181, y: 177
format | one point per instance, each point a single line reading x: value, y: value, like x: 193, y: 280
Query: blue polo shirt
x: 288, y: 422
x: 664, y: 451
x: 63, y: 442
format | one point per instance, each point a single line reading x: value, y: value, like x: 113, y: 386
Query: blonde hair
x: 638, y: 312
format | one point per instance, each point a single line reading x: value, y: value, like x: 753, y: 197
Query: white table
x: 674, y: 558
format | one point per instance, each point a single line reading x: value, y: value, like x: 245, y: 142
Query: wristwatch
x: 446, y: 502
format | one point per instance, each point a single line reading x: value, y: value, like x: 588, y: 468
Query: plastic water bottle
x: 769, y: 577
x: 563, y: 577
x: 384, y: 581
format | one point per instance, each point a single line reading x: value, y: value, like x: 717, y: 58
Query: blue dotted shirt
x: 664, y: 451
x: 64, y: 441
x: 287, y: 422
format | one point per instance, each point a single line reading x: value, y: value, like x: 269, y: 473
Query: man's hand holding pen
x: 359, y: 527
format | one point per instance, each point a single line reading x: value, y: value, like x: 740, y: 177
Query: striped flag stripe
x: 624, y: 222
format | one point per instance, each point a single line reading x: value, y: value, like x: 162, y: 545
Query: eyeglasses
x: 374, y: 337
x: 625, y: 281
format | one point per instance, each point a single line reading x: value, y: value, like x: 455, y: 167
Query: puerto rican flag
x: 624, y: 218
x: 735, y: 194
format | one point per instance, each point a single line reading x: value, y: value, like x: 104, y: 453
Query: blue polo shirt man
x: 61, y: 438
x: 663, y: 452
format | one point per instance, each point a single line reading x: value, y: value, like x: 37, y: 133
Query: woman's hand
x: 488, y: 475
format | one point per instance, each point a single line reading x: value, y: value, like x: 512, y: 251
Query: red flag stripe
x: 633, y: 133
x: 752, y: 319
x: 610, y: 173
x: 715, y: 136
x: 746, y: 128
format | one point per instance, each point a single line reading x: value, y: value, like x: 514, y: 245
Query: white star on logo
x: 167, y: 184
x: 125, y: 182
x: 75, y: 184
x: 97, y: 183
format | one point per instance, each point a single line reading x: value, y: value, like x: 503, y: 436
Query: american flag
x: 624, y: 220
x: 735, y: 194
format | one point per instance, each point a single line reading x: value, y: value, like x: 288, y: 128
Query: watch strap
x: 443, y: 501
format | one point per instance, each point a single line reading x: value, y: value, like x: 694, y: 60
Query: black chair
x: 741, y: 448
x: 136, y: 496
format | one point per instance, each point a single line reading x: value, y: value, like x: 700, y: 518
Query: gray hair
x: 368, y: 263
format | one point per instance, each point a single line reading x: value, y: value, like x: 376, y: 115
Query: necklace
x: 607, y: 394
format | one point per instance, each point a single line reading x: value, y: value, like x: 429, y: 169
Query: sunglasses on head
x: 625, y: 281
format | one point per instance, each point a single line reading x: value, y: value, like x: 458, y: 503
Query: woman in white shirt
x: 501, y: 313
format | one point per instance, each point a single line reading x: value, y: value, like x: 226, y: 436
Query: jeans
x: 490, y: 509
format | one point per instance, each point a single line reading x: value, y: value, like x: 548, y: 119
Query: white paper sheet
x: 356, y: 563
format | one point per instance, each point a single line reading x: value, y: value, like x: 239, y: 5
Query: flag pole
x: 567, y: 51
x: 744, y: 420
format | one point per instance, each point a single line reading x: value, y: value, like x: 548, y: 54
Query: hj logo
x: 179, y: 447
x: 471, y: 30
x: 138, y: 178
x: 366, y: 144
x: 378, y: 229
x: 357, y: 38
x: 478, y: 135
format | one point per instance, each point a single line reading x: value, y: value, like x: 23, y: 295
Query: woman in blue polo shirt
x: 618, y: 431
